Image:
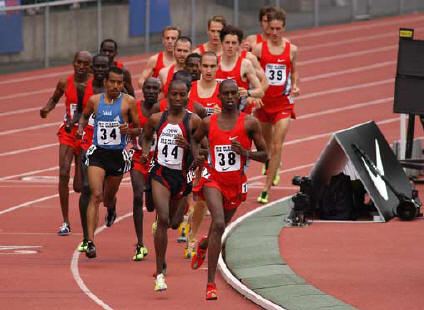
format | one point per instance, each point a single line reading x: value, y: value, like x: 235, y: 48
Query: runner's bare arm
x: 128, y: 82
x: 248, y: 71
x: 200, y: 110
x: 132, y: 115
x: 295, y: 74
x: 257, y: 50
x: 80, y: 99
x: 258, y: 69
x: 147, y: 136
x: 89, y: 109
x: 148, y: 70
x: 199, y: 134
x: 253, y: 130
x: 54, y: 99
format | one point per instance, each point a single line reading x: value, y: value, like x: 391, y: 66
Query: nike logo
x: 232, y: 138
x: 209, y: 104
x: 225, y: 169
x: 377, y: 180
x: 280, y: 60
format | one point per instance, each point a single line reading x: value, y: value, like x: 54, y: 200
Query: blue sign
x: 10, y: 28
x: 159, y: 16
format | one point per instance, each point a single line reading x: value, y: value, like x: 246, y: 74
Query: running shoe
x: 83, y: 246
x: 160, y: 284
x: 263, y: 197
x: 163, y: 270
x: 200, y: 255
x: 140, y: 253
x: 64, y: 229
x: 211, y: 292
x: 183, y: 231
x: 276, y: 178
x: 110, y: 217
x: 190, y: 251
x: 90, y: 252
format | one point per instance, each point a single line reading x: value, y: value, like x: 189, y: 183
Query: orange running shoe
x: 211, y: 292
x: 198, y: 259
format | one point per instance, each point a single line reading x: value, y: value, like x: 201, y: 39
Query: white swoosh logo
x: 232, y: 138
x: 377, y: 180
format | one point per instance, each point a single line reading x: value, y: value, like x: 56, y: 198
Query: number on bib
x: 225, y: 159
x: 108, y: 133
x: 275, y: 74
x: 244, y: 188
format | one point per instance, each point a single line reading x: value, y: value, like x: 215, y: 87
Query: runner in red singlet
x: 230, y: 135
x: 278, y: 59
x: 69, y: 144
x: 170, y: 178
x: 139, y: 172
x: 163, y: 59
x: 109, y: 48
x: 215, y: 25
x: 181, y: 50
x: 251, y: 41
x: 100, y: 69
x: 233, y: 66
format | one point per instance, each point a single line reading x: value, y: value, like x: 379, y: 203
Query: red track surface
x: 347, y: 76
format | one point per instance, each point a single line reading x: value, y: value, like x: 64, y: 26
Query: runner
x: 181, y: 50
x: 230, y: 134
x: 164, y: 58
x: 234, y: 65
x: 215, y: 25
x: 278, y: 59
x: 100, y: 69
x: 107, y: 158
x: 192, y: 66
x: 68, y: 143
x: 140, y: 173
x: 204, y: 92
x: 251, y: 41
x: 170, y: 184
x: 109, y: 48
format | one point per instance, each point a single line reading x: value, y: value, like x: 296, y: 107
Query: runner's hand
x: 79, y: 133
x: 295, y: 91
x: 124, y: 129
x: 43, y: 112
x: 216, y: 109
x: 237, y: 148
x: 242, y: 92
x: 181, y: 142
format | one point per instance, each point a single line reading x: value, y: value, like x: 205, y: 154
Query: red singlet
x: 159, y: 65
x: 208, y: 103
x: 278, y: 73
x: 168, y: 80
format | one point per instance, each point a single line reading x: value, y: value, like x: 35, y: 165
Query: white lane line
x: 26, y: 150
x: 366, y: 26
x: 29, y: 128
x: 343, y: 89
x: 76, y: 273
x: 9, y: 177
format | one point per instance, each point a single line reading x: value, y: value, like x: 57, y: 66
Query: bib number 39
x: 275, y: 74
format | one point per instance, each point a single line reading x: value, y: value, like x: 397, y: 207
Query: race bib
x: 225, y: 159
x: 191, y: 175
x: 108, y: 133
x: 275, y: 74
x: 169, y: 153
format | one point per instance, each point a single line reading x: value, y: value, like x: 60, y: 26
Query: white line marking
x: 29, y: 173
x: 77, y: 276
x: 26, y: 150
x: 28, y: 203
x: 36, y: 127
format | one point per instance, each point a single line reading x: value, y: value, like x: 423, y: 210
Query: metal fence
x: 102, y: 18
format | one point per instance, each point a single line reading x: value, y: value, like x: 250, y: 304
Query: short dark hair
x: 183, y: 39
x: 277, y: 15
x: 209, y: 53
x: 217, y: 19
x: 182, y: 76
x: 226, y: 81
x: 114, y: 70
x: 229, y: 29
x: 100, y: 55
x: 178, y: 81
x: 265, y: 10
x: 192, y: 55
x: 167, y: 28
x: 109, y: 41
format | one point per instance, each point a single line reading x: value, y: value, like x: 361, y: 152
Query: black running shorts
x: 174, y: 180
x: 114, y: 162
